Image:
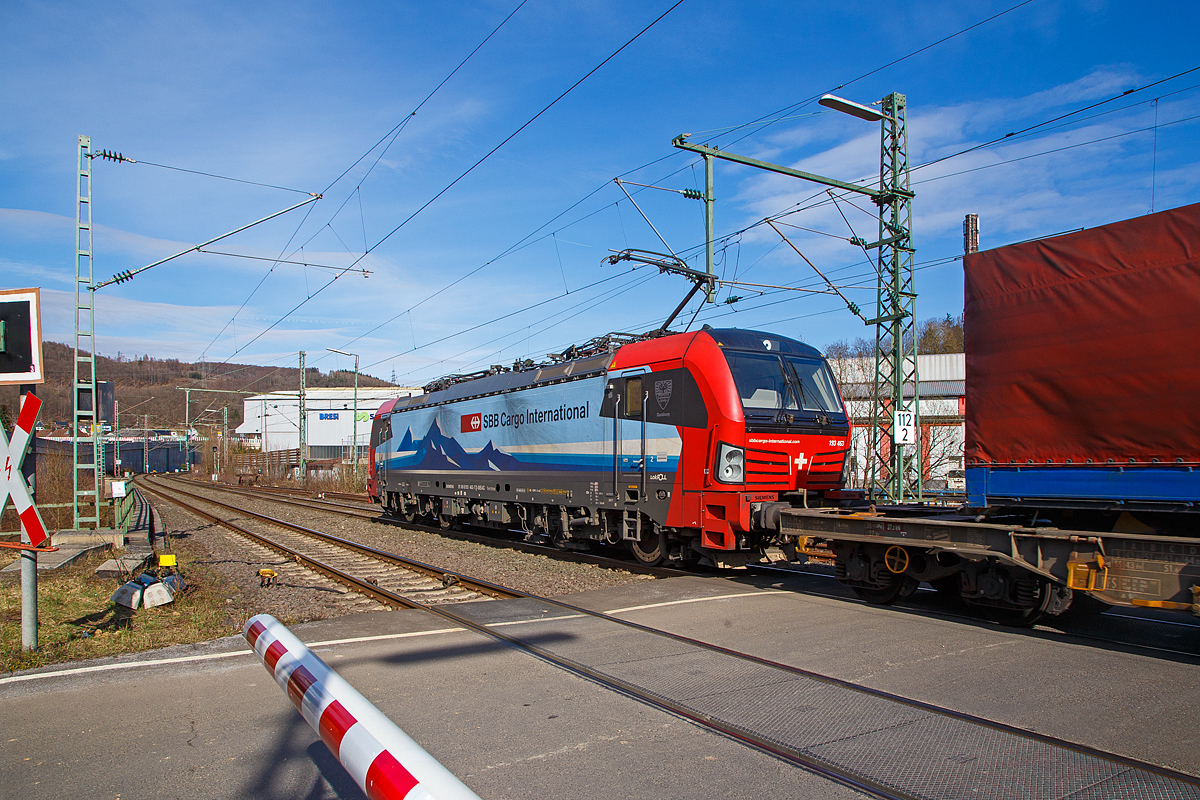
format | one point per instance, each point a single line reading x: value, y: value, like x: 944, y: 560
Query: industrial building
x: 272, y: 421
x: 942, y: 412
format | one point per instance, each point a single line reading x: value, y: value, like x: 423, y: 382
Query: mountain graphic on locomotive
x: 683, y: 447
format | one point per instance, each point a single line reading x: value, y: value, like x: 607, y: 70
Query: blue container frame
x: 1109, y: 483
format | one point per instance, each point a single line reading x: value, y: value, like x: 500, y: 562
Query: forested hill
x: 146, y: 385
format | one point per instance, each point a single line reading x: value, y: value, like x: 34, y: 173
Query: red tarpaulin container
x: 1084, y: 346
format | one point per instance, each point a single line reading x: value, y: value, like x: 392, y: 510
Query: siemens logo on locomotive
x: 471, y: 423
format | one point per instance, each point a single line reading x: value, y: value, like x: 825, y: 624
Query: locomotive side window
x: 761, y: 382
x: 816, y: 386
x: 633, y: 398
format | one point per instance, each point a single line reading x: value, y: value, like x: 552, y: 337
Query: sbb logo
x: 470, y: 423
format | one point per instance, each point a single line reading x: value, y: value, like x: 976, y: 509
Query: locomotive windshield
x: 817, y: 392
x: 769, y: 384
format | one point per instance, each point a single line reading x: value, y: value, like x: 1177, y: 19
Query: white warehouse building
x: 274, y: 419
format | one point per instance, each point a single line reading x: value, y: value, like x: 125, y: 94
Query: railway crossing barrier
x: 383, y: 760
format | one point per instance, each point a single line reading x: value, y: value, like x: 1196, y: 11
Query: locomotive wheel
x: 899, y: 586
x: 651, y: 552
x: 446, y: 521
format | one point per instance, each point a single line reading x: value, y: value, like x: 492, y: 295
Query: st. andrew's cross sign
x: 12, y: 454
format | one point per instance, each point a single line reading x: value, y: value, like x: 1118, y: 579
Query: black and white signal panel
x: 20, y: 337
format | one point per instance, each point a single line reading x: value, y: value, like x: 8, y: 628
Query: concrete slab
x: 117, y: 568
x: 1137, y: 698
x: 513, y: 726
x: 63, y: 557
x: 75, y: 538
x: 509, y: 725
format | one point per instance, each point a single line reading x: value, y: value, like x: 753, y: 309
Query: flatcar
x: 682, y: 447
x: 1082, y: 437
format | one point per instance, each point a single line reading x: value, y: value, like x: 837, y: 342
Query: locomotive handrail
x: 645, y: 398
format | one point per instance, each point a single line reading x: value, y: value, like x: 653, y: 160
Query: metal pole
x: 709, y: 226
x: 354, y: 448
x: 29, y: 610
x: 224, y: 438
x: 146, y: 444
x: 187, y: 425
x: 303, y: 427
x: 86, y: 496
x: 117, y: 472
x: 896, y: 358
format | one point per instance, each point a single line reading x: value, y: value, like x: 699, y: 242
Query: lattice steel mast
x: 86, y: 497
x: 894, y: 466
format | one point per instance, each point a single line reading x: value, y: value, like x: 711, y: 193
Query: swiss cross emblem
x: 11, y: 482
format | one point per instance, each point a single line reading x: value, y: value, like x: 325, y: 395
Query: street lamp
x: 850, y: 107
x: 896, y: 302
x: 354, y: 446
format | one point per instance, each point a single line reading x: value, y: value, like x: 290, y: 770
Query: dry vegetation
x: 77, y: 620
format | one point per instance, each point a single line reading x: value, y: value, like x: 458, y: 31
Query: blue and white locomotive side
x: 545, y: 428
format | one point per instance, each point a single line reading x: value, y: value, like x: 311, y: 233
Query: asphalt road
x: 512, y: 726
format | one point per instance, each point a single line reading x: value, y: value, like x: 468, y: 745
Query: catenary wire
x: 393, y: 133
x: 462, y: 175
x: 521, y: 244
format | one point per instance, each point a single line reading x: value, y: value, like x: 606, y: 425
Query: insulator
x: 121, y: 277
x: 859, y: 242
x: 732, y: 299
x: 854, y: 309
x: 693, y: 194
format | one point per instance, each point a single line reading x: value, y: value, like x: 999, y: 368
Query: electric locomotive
x: 682, y: 447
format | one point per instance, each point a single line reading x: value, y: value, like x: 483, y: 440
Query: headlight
x: 730, y: 464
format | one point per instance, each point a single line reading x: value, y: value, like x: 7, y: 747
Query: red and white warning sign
x: 11, y: 481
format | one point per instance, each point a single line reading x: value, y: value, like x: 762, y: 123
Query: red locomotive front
x: 777, y: 432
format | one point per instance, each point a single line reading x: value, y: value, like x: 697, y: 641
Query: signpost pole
x: 29, y: 610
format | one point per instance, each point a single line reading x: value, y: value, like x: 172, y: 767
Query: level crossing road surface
x: 212, y: 723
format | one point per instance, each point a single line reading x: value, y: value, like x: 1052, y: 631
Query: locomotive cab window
x: 762, y: 383
x: 816, y: 386
x: 633, y: 398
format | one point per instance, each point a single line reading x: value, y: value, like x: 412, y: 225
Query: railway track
x: 372, y: 512
x: 386, y: 577
x: 1114, y: 627
x: 1167, y: 782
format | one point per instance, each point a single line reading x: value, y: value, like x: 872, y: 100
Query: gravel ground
x: 302, y: 595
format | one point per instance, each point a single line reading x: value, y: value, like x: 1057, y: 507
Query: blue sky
x: 292, y: 94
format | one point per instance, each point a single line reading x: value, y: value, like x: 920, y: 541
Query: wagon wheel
x: 898, y: 586
x: 1023, y: 617
x: 651, y: 551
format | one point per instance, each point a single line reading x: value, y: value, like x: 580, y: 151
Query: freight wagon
x: 1082, y: 436
x: 681, y: 447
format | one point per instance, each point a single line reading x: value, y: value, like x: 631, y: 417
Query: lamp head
x: 851, y: 108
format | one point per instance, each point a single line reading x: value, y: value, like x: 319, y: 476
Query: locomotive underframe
x: 572, y: 510
x: 1017, y: 570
